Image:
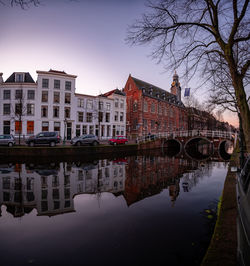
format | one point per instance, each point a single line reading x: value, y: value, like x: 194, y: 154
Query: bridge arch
x: 197, y: 139
x: 173, y: 144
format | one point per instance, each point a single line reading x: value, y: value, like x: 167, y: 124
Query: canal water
x: 135, y: 210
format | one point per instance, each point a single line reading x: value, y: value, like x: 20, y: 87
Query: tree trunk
x: 243, y: 107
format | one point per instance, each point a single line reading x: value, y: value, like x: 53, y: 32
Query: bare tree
x: 201, y: 33
x: 19, y: 111
x: 24, y: 4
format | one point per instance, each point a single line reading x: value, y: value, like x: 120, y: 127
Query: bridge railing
x: 188, y: 133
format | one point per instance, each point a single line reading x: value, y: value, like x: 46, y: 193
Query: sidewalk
x: 223, y: 246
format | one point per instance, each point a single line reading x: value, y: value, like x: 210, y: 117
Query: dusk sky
x: 85, y: 38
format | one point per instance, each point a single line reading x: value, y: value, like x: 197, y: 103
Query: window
x: 57, y: 126
x: 44, y: 111
x: 171, y: 112
x: 56, y: 97
x: 6, y: 127
x: 30, y: 109
x: 122, y: 130
x: 68, y: 85
x: 67, y: 97
x: 18, y: 109
x: 31, y: 94
x: 45, y: 126
x: 80, y: 116
x: 84, y: 129
x: 80, y: 102
x: 145, y: 106
x: 152, y: 108
x: 78, y: 130
x: 6, y: 109
x: 135, y: 123
x: 121, y: 116
x: 45, y: 96
x: 91, y: 129
x: 56, y: 111
x: 45, y: 83
x: 116, y: 102
x: 19, y: 77
x: 6, y: 94
x: 152, y: 124
x: 129, y: 87
x: 101, y: 116
x: 108, y: 131
x: 56, y: 84
x: 117, y: 130
x: 107, y: 117
x: 116, y: 116
x: 18, y: 127
x: 159, y: 109
x: 108, y: 106
x: 121, y: 103
x: 100, y: 105
x: 135, y: 106
x: 145, y: 123
x: 67, y: 112
x: 89, y: 117
x: 30, y: 127
x: 19, y: 94
x: 89, y: 104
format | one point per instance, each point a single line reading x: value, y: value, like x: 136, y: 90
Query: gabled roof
x: 156, y: 92
x: 115, y: 91
x: 27, y: 78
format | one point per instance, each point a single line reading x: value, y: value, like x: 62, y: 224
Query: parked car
x: 44, y: 138
x: 118, y: 140
x: 7, y: 139
x: 88, y: 139
x: 243, y: 220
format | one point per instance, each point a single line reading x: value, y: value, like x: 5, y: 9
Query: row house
x: 152, y: 110
x: 51, y: 104
x: 51, y: 188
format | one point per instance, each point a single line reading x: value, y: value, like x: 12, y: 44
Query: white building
x: 51, y: 188
x: 51, y: 104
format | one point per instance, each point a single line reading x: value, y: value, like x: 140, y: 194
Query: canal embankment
x: 67, y: 151
x: 223, y: 246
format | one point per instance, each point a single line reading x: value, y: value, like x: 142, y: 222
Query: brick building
x: 153, y: 110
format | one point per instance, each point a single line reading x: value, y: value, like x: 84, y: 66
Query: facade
x: 152, y: 110
x: 51, y: 188
x: 51, y: 104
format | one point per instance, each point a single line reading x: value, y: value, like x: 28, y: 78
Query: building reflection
x: 51, y: 188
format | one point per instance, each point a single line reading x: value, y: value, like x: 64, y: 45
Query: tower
x: 176, y: 86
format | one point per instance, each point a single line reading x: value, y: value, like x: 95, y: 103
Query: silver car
x: 85, y: 140
x: 7, y: 140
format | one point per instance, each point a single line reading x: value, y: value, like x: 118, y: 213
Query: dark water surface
x: 138, y: 210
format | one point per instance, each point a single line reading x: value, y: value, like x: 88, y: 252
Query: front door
x: 69, y: 127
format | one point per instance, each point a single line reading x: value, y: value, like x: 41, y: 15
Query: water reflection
x: 50, y: 188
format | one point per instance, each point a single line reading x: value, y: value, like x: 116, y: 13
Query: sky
x: 85, y: 38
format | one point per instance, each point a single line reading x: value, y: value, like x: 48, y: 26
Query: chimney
x: 1, y: 77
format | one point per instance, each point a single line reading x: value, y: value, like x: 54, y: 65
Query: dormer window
x: 19, y: 77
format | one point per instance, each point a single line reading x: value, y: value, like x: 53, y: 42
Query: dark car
x: 44, y: 138
x: 243, y: 220
x: 118, y: 140
x: 85, y: 140
x: 7, y: 140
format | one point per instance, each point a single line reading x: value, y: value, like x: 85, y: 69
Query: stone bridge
x: 191, y: 138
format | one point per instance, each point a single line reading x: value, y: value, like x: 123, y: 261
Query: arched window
x: 135, y: 106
